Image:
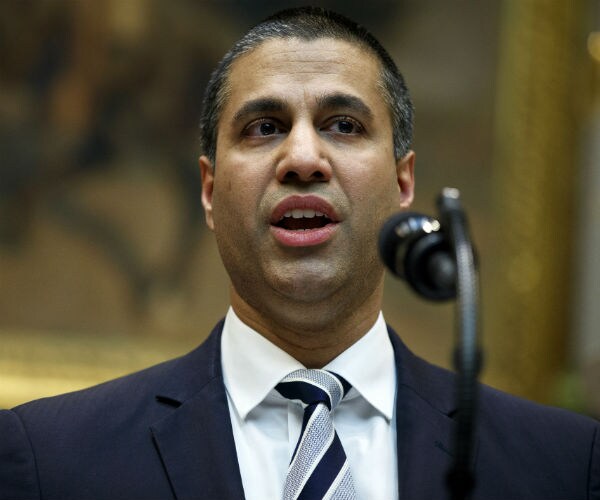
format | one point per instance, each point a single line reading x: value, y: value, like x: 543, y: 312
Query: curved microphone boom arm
x: 437, y: 260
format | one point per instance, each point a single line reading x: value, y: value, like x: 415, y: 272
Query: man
x: 306, y: 132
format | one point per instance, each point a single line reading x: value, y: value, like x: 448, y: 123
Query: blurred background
x: 106, y: 265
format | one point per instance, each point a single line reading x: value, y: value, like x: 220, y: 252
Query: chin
x: 306, y: 292
x: 307, y: 287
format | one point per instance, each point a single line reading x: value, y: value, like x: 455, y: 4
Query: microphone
x: 416, y: 249
x: 439, y: 264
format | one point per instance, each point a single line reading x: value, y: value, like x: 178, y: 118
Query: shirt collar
x: 370, y: 367
x: 252, y: 366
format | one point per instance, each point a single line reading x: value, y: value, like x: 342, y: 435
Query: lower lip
x: 306, y: 238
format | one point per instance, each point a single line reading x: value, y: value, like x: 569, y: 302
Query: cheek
x: 375, y: 186
x: 235, y: 202
x: 223, y: 198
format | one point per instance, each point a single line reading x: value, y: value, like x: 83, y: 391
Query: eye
x: 344, y: 125
x: 262, y: 128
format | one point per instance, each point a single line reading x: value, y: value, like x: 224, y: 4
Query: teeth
x: 299, y: 213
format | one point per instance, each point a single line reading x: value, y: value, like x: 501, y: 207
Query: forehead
x: 292, y: 68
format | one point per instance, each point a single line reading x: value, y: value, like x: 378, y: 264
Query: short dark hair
x: 309, y: 23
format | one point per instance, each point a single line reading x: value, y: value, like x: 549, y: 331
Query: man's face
x: 305, y: 175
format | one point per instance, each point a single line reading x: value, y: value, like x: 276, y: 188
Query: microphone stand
x: 467, y: 354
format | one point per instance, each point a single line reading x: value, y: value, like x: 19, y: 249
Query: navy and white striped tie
x: 319, y: 468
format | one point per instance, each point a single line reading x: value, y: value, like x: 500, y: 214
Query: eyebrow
x: 346, y: 101
x: 337, y: 100
x: 259, y: 106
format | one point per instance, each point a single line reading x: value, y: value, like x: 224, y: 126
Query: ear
x: 405, y: 172
x: 208, y: 180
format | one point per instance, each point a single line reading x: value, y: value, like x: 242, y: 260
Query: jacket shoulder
x: 178, y: 377
x: 97, y: 442
x: 17, y: 464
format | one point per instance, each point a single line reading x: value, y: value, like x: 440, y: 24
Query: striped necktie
x: 319, y: 468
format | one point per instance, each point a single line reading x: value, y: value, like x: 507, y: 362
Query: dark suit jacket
x: 165, y: 433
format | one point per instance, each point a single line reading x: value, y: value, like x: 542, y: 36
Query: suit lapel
x: 424, y: 448
x: 195, y: 440
x: 425, y: 429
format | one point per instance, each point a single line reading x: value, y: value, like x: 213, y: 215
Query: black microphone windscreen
x: 392, y: 236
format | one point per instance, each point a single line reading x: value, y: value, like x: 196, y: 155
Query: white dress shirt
x: 266, y: 426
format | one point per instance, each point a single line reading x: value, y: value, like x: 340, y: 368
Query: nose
x: 302, y: 157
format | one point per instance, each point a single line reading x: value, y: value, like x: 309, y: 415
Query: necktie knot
x: 314, y: 387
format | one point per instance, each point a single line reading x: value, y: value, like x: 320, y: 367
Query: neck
x: 317, y: 334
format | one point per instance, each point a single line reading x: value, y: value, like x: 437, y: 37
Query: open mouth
x: 303, y: 219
